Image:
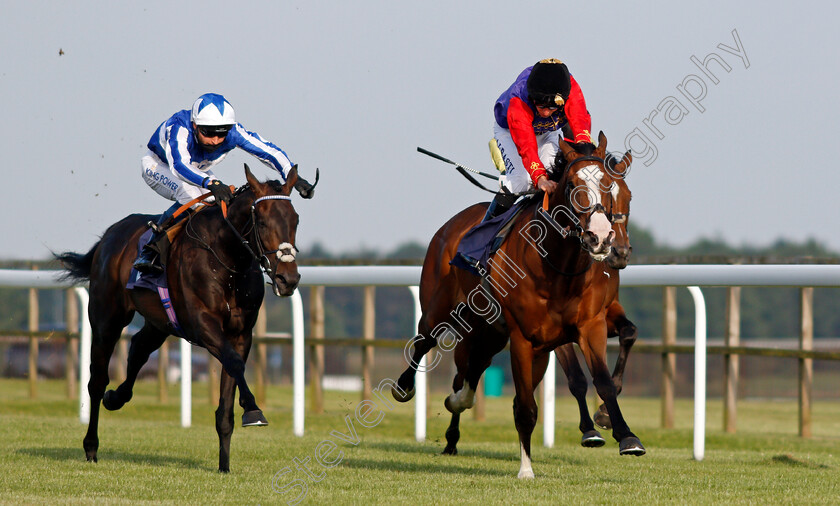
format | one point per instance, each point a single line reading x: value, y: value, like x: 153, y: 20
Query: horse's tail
x: 77, y: 266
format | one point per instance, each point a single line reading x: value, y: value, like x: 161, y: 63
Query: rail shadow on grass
x: 77, y: 454
x: 438, y: 466
x: 464, y: 451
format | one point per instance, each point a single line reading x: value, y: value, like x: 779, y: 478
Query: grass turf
x: 145, y: 456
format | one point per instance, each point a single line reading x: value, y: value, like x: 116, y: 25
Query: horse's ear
x: 568, y: 151
x: 624, y: 165
x: 252, y: 180
x: 291, y: 179
x: 602, y: 145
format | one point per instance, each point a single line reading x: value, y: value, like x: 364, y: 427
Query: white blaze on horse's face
x: 599, y: 225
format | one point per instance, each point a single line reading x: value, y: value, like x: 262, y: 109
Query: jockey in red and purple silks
x: 543, y: 103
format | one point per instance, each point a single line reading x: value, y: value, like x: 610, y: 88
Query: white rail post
x: 419, y: 379
x: 186, y: 383
x: 298, y: 365
x: 549, y: 387
x: 699, y: 372
x: 84, y: 360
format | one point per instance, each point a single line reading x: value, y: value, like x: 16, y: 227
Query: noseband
x: 577, y: 231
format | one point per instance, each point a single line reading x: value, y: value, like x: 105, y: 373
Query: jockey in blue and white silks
x: 178, y: 163
x: 181, y: 153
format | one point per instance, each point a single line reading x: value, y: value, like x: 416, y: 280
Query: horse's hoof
x: 592, y: 439
x: 527, y: 474
x: 449, y: 450
x: 398, y: 394
x: 254, y: 418
x: 111, y: 400
x: 631, y: 446
x: 91, y: 457
x: 602, y: 418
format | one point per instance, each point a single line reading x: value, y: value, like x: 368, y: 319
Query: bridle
x: 285, y: 252
x: 577, y: 231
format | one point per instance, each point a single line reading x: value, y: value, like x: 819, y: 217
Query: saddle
x: 479, y: 244
x: 484, y: 239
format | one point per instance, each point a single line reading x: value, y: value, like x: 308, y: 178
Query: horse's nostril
x: 290, y: 280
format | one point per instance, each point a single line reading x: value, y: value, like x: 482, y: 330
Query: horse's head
x: 620, y: 212
x: 591, y: 191
x: 275, y: 224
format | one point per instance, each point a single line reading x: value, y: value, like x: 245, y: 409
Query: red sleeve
x: 520, y: 120
x: 579, y: 119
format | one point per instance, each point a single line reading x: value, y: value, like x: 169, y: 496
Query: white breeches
x: 516, y: 178
x: 158, y: 175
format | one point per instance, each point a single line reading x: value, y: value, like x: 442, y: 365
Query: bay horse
x: 216, y: 284
x: 540, y: 292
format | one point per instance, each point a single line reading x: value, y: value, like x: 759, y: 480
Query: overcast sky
x: 355, y: 87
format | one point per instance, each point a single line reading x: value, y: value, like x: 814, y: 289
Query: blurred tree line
x: 765, y: 312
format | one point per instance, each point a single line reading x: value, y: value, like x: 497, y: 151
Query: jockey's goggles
x: 214, y: 130
x: 549, y: 100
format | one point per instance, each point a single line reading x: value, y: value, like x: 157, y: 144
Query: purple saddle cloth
x: 156, y: 283
x: 481, y: 241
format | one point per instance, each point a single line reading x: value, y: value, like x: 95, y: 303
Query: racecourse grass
x: 146, y: 457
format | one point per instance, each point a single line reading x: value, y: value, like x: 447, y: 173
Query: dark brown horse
x: 216, y: 286
x: 541, y: 290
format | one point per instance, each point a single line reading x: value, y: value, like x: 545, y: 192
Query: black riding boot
x: 149, y: 260
x: 501, y: 203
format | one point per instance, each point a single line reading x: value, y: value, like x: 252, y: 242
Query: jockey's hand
x: 305, y: 188
x: 544, y: 185
x: 221, y: 192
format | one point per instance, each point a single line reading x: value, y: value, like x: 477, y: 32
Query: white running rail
x: 691, y: 276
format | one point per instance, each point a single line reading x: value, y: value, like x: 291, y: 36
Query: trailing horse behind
x: 216, y: 283
x: 542, y: 291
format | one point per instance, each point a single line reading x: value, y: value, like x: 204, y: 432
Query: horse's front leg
x: 593, y: 344
x: 232, y: 357
x: 617, y: 324
x: 524, y: 369
x: 236, y: 356
x: 577, y: 386
x: 224, y: 419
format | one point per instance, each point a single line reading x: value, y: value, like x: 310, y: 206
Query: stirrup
x: 155, y: 227
x: 147, y: 262
x: 147, y: 267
